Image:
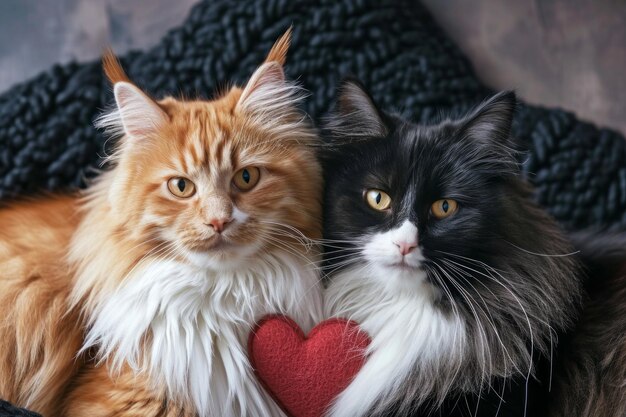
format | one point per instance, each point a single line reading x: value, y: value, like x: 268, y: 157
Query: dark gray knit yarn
x: 8, y: 410
x: 47, y: 140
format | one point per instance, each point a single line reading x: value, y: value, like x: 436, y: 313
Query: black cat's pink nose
x: 405, y: 247
x: 219, y: 224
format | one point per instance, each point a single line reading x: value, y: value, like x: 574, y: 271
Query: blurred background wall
x: 567, y: 53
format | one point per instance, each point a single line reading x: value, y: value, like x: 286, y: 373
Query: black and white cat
x: 434, y: 246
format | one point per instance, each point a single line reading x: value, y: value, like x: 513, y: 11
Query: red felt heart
x: 305, y: 374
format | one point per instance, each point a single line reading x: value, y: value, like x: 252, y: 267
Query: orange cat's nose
x: 219, y: 224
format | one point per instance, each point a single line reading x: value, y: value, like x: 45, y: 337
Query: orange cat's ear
x: 268, y: 95
x: 137, y: 113
x: 269, y: 78
x: 265, y: 89
x: 140, y: 115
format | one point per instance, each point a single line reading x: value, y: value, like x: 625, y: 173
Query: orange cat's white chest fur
x: 187, y: 327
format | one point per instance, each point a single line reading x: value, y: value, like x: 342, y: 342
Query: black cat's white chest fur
x: 411, y: 337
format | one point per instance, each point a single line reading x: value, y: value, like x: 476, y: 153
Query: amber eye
x: 246, y: 178
x: 181, y: 187
x: 377, y: 199
x: 445, y: 208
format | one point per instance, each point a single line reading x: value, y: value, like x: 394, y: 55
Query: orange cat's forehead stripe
x: 196, y: 148
x: 218, y: 151
x: 183, y: 162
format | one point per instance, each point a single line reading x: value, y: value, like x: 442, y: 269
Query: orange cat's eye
x: 444, y: 208
x: 181, y: 187
x: 246, y: 178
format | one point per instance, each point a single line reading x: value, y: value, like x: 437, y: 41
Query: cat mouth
x: 214, y: 243
x: 404, y: 266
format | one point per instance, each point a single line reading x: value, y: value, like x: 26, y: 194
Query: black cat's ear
x: 356, y: 114
x: 490, y: 123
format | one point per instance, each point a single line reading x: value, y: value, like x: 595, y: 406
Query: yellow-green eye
x: 181, y: 187
x: 444, y: 208
x: 377, y: 199
x: 246, y: 178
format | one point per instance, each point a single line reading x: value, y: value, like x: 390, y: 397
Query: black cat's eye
x: 377, y: 199
x: 444, y: 208
x: 181, y: 187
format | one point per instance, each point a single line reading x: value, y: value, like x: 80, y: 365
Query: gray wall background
x: 567, y: 53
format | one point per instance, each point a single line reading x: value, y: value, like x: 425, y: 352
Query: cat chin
x: 400, y: 278
x: 221, y: 259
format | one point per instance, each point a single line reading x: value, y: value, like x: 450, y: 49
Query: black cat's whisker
x: 531, y: 335
x: 326, y: 245
x: 291, y: 241
x: 286, y: 226
x: 325, y: 240
x: 288, y: 231
x: 490, y: 320
x: 455, y: 309
x: 339, y: 256
x: 532, y: 346
x: 547, y: 255
x: 459, y: 365
x: 465, y: 274
x: 341, y: 251
x: 487, y: 274
x: 485, y: 349
x: 500, y: 272
x: 285, y: 246
x: 337, y: 241
x: 486, y: 356
x: 284, y: 233
x: 341, y: 265
x: 290, y: 236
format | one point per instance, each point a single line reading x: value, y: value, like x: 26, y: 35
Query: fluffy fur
x: 482, y: 291
x: 590, y: 378
x: 39, y: 333
x: 166, y: 301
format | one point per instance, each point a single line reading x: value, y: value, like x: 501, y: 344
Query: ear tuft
x: 112, y: 67
x: 278, y: 53
x: 356, y: 114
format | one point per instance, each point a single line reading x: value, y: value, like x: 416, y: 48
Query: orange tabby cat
x: 153, y: 280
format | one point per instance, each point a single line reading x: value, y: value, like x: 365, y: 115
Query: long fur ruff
x: 187, y: 328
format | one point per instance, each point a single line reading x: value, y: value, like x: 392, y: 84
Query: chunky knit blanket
x: 47, y: 138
